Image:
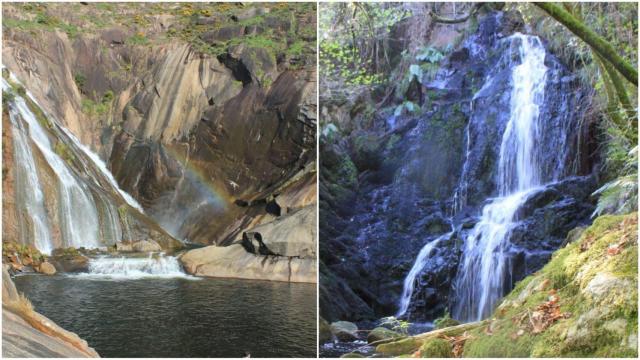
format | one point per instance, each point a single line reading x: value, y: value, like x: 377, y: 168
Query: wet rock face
x: 186, y: 133
x: 405, y: 194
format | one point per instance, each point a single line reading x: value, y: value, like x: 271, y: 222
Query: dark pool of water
x: 180, y: 317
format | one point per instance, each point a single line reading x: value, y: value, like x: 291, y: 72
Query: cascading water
x: 80, y: 223
x: 29, y: 193
x: 484, y: 272
x: 128, y: 268
x: 416, y: 269
x: 87, y: 217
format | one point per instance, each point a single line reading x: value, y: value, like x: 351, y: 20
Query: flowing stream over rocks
x: 409, y: 281
x: 132, y: 268
x: 500, y: 154
x: 481, y: 278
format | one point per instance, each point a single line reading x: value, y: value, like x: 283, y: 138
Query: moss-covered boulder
x: 583, y: 303
x: 436, y: 348
x: 352, y: 355
x: 381, y: 333
x: 400, y: 347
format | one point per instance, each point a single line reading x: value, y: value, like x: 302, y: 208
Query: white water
x: 97, y: 161
x: 80, y: 224
x: 128, y: 268
x: 29, y: 193
x: 483, y: 271
x: 418, y: 265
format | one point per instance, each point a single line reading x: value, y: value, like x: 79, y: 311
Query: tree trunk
x: 597, y: 43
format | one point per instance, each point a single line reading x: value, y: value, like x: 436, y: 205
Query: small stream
x: 179, y: 316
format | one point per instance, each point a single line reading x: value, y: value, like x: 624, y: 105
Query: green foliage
x: 80, y: 80
x: 7, y: 97
x: 430, y: 54
x: 415, y: 70
x: 138, y: 39
x: 122, y: 211
x: 64, y: 151
x: 92, y: 108
x: 620, y: 196
x: 297, y: 48
x: 401, y: 326
x: 445, y: 321
x: 409, y: 106
x: 352, y: 49
x: 107, y: 97
x: 339, y: 61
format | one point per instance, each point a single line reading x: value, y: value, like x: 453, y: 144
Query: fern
x: 620, y: 196
x: 401, y: 326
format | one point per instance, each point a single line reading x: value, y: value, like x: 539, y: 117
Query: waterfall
x: 80, y: 224
x: 29, y: 193
x: 102, y: 167
x: 416, y: 269
x: 484, y: 274
x: 131, y: 268
x: 79, y: 209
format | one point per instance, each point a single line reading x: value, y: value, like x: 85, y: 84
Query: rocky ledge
x: 27, y: 334
x: 281, y: 250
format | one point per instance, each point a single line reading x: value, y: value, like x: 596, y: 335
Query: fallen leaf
x: 543, y: 285
x: 613, y: 250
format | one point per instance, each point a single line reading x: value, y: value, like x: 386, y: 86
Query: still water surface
x: 180, y: 317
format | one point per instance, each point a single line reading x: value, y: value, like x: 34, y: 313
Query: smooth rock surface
x: 293, y: 234
x: 344, y: 330
x: 146, y: 246
x: 235, y: 262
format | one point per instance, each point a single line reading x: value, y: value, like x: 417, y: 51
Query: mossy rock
x: 381, y: 333
x: 436, y: 348
x: 596, y: 290
x: 445, y: 322
x: 404, y: 346
x: 352, y: 355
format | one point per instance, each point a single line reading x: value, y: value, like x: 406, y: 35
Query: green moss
x: 436, y: 348
x: 594, y: 327
x: 352, y: 355
x: 404, y: 346
x: 445, y: 321
x: 63, y: 151
x: 92, y: 108
x: 138, y: 39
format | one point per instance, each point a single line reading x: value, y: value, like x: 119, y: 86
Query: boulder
x: 75, y: 263
x: 400, y: 347
x: 381, y: 333
x: 352, y: 355
x: 223, y: 34
x: 235, y: 262
x: 146, y: 246
x: 344, y: 330
x: 124, y: 247
x: 293, y: 234
x: 46, y: 268
x: 250, y: 13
